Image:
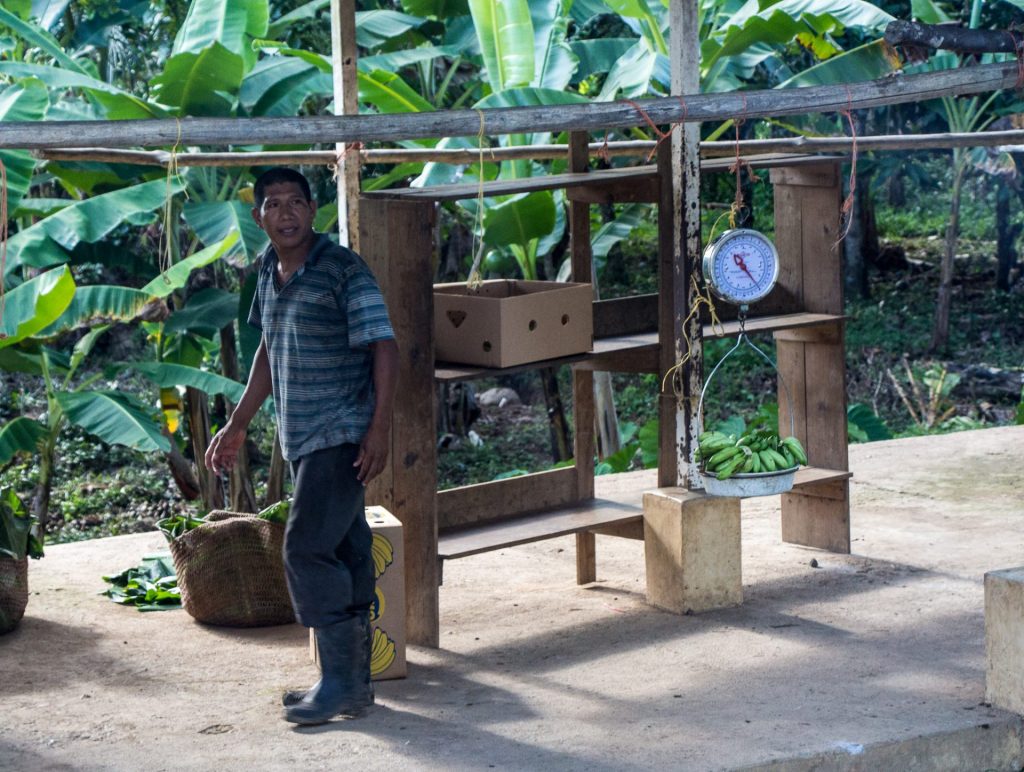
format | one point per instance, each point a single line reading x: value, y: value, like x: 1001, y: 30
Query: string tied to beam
x: 165, y: 249
x: 340, y: 156
x: 475, y: 279
x: 846, y: 211
x: 661, y: 135
x: 739, y: 201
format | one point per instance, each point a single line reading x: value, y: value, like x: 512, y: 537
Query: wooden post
x: 677, y: 298
x: 582, y: 380
x: 397, y: 239
x: 346, y: 102
x: 812, y: 360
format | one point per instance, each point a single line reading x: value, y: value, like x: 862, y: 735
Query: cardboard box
x: 387, y: 616
x: 509, y: 322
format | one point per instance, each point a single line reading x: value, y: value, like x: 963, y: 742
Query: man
x: 328, y: 354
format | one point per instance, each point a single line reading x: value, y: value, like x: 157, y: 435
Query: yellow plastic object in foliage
x: 172, y: 407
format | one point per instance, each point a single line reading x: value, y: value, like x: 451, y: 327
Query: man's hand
x: 373, y: 453
x: 223, y: 451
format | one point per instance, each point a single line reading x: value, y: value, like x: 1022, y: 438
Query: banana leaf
x: 16, y: 539
x: 867, y: 62
x: 390, y: 94
x: 206, y: 312
x: 177, y: 275
x: 281, y: 85
x: 165, y: 374
x: 216, y: 221
x: 392, y: 61
x: 114, y: 417
x: 118, y: 103
x: 520, y: 219
x: 89, y: 220
x: 36, y: 304
x: 204, y: 83
x: 231, y: 24
x: 304, y: 12
x: 442, y: 10
x: 98, y: 304
x: 24, y: 101
x: 554, y: 61
x: 380, y: 27
x: 782, y: 22
x: 35, y: 36
x: 505, y: 32
x: 21, y: 435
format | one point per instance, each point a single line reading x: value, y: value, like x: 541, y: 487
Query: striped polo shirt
x: 318, y: 327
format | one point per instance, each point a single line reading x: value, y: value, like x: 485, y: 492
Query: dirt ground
x: 874, y: 660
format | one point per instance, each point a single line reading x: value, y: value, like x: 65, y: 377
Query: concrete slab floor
x: 874, y: 660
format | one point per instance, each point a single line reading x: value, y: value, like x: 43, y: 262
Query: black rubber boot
x: 339, y: 689
x: 362, y: 693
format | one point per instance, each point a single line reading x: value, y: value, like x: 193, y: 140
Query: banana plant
x: 50, y: 304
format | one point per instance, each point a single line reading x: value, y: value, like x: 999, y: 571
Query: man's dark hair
x: 276, y: 175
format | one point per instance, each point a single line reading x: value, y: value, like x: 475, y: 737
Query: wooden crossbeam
x: 392, y: 127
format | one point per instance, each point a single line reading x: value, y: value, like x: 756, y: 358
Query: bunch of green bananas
x: 760, y: 450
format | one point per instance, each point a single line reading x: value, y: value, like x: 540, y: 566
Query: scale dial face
x: 741, y: 266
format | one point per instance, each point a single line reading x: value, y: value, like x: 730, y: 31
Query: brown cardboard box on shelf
x: 387, y: 616
x: 509, y: 322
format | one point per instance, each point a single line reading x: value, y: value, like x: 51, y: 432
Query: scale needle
x: 738, y: 259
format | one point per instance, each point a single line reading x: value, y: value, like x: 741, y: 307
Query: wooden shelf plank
x: 523, y: 185
x: 619, y: 502
x: 634, y: 353
x: 530, y: 528
x: 591, y: 179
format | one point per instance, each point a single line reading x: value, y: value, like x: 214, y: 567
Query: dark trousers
x: 327, y: 541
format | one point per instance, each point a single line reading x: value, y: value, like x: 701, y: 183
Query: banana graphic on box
x: 383, y: 652
x: 383, y: 554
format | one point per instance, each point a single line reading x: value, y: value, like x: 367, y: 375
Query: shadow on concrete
x: 69, y: 657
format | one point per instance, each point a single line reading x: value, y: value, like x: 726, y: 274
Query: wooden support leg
x: 586, y: 558
x: 692, y: 550
x: 397, y: 241
x: 1004, y: 638
x: 821, y: 521
x: 811, y: 362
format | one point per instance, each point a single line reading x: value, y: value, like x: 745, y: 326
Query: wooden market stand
x: 692, y: 542
x: 632, y: 334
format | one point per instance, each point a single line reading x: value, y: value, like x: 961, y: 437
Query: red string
x: 737, y: 166
x: 604, y: 152
x: 846, y: 211
x: 662, y: 136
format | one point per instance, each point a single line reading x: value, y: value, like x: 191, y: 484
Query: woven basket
x: 13, y: 592
x: 231, y: 571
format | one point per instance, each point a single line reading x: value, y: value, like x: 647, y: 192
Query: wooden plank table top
x: 618, y: 501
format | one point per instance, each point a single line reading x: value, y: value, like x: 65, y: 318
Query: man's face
x: 286, y: 215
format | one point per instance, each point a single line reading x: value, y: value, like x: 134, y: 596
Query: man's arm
x: 373, y: 450
x: 223, y: 450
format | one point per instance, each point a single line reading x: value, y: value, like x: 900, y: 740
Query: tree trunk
x: 197, y: 404
x: 561, y: 444
x: 609, y: 440
x: 940, y: 333
x: 275, y: 477
x: 1006, y: 235
x: 243, y: 493
x: 181, y: 471
x: 44, y: 485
